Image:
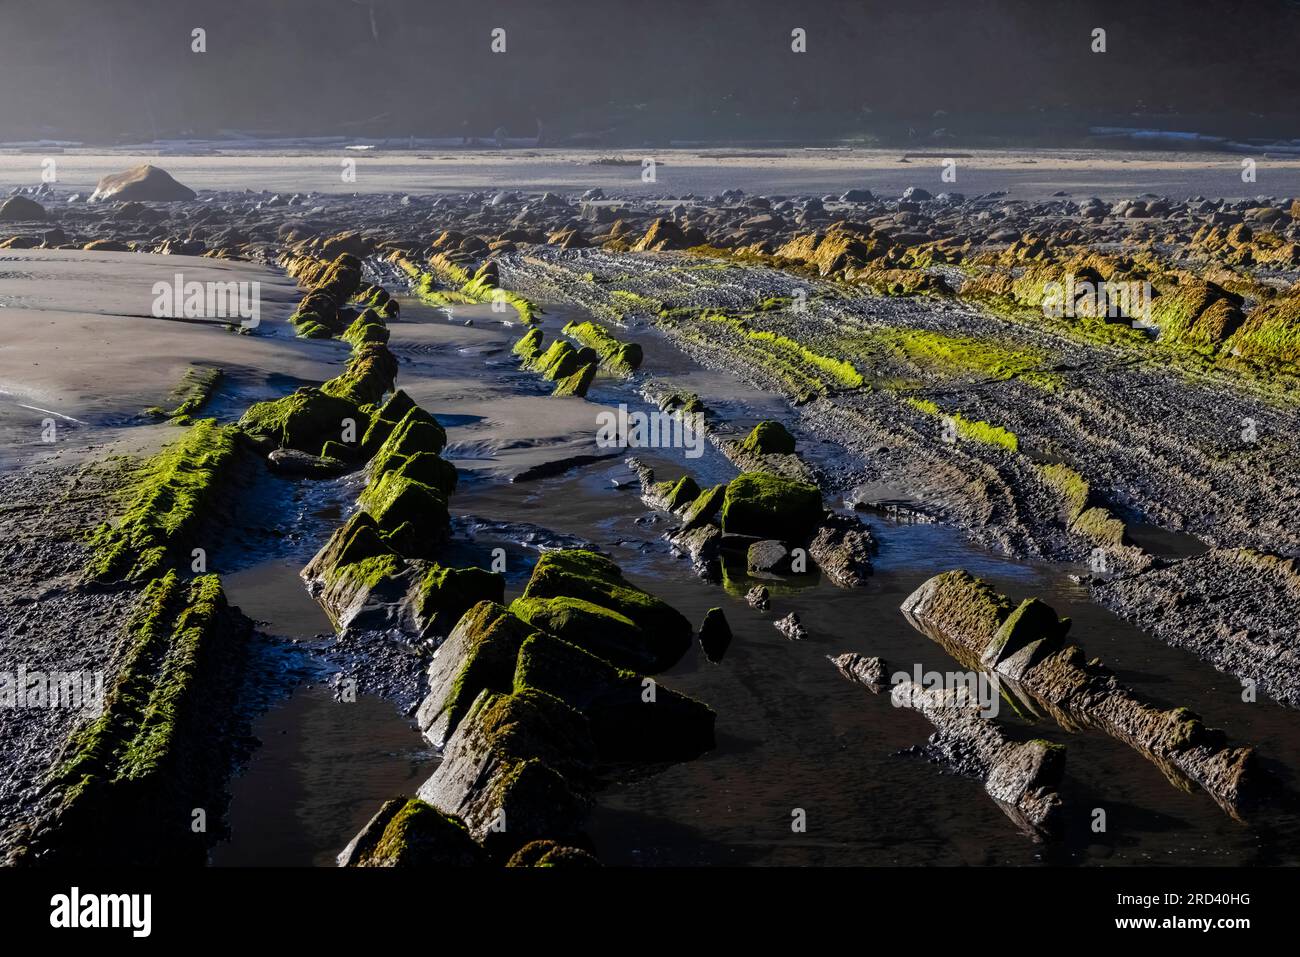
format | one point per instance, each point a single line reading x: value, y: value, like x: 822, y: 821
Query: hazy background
x: 646, y: 72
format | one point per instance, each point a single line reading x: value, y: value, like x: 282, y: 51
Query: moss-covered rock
x: 622, y: 358
x: 149, y: 757
x: 417, y: 431
x: 590, y: 577
x: 479, y: 655
x: 176, y: 491
x: 1024, y: 638
x: 577, y: 383
x: 770, y: 506
x: 410, y: 833
x: 529, y: 346
x: 551, y: 854
x: 367, y: 327
x: 368, y: 377
x: 557, y: 362
x: 600, y: 630
x: 516, y: 770
x: 412, y: 515
x: 305, y: 420
x: 427, y: 467
x: 684, y: 493
x: 443, y: 595
x: 706, y: 505
x: 769, y: 438
x: 367, y: 593
x: 631, y: 718
x: 358, y: 538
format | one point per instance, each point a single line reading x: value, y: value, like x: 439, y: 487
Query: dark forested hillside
x: 652, y: 70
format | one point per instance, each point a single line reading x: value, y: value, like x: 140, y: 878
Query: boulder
x: 147, y: 183
x: 770, y: 506
x: 768, y: 557
x: 479, y: 655
x: 791, y: 627
x: 20, y: 209
x: 663, y: 234
x: 629, y: 721
x: 715, y: 634
x: 443, y: 595
x: 412, y: 515
x: 842, y: 548
x: 304, y: 420
x: 522, y: 760
x: 769, y: 438
x: 410, y: 833
x: 590, y: 577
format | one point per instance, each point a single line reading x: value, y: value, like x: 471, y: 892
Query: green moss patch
x: 973, y: 430
x: 586, y: 575
x: 444, y: 595
x: 304, y: 420
x: 770, y: 506
x: 622, y: 358
x: 174, y: 493
x: 196, y: 387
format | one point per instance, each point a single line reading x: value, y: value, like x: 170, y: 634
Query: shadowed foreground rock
x: 1024, y: 646
x: 1021, y: 776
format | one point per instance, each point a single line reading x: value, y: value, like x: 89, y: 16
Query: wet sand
x: 78, y: 343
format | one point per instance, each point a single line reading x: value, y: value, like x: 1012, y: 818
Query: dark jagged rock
x: 842, y: 548
x: 410, y: 833
x: 768, y: 557
x: 1021, y: 776
x: 715, y: 634
x: 20, y: 209
x: 1026, y: 644
x: 791, y: 627
x: 871, y: 673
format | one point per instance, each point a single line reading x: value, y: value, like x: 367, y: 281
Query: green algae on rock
x: 587, y: 576
x: 304, y: 420
x: 770, y: 506
x: 545, y: 853
x: 173, y: 495
x: 631, y: 718
x: 196, y: 387
x: 125, y: 786
x: 410, y: 833
x: 622, y: 358
x: 1025, y: 645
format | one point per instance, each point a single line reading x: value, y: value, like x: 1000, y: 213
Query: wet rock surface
x: 1021, y: 776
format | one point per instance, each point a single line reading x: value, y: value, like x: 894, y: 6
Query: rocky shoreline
x: 916, y: 342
